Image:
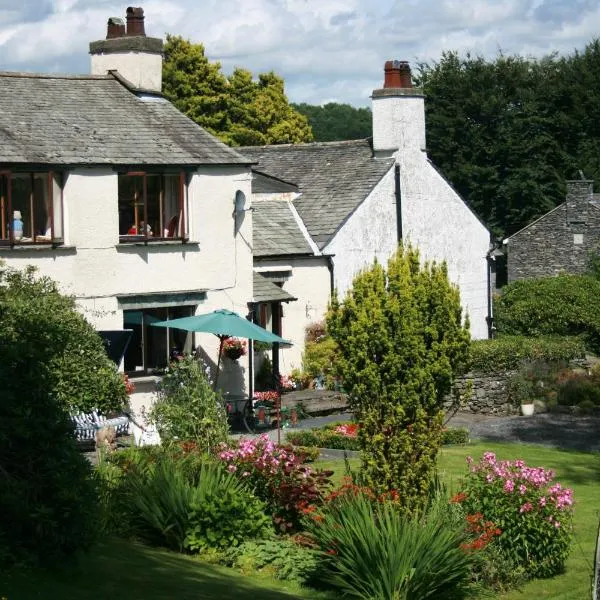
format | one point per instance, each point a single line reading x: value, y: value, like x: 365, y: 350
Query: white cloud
x: 325, y: 49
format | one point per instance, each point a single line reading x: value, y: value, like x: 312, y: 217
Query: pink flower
x: 522, y: 489
x: 232, y: 468
x: 542, y: 501
x: 526, y: 507
x: 509, y: 486
x: 557, y: 524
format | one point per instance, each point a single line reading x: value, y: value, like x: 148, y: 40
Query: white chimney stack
x: 398, y: 112
x: 129, y: 51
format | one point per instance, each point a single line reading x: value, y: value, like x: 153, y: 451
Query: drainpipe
x: 398, y: 202
x: 331, y: 275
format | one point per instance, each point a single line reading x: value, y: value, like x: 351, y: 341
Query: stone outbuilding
x: 559, y: 242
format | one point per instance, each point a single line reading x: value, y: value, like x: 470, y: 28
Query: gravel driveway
x: 568, y: 432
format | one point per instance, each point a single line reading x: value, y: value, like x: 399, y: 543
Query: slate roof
x: 96, y: 120
x: 276, y: 231
x: 267, y: 291
x: 333, y: 177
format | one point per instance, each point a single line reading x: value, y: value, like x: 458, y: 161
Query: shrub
x: 187, y: 408
x: 533, y: 515
x: 47, y: 493
x: 455, y: 435
x: 370, y: 550
x: 509, y: 351
x: 281, y: 558
x: 279, y: 478
x: 577, y: 388
x: 401, y: 342
x: 565, y: 305
x: 187, y: 503
x: 318, y: 361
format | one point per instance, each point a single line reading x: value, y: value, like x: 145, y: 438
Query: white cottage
x: 129, y: 205
x: 352, y: 202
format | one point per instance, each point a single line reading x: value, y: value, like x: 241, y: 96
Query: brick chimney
x: 135, y: 21
x: 398, y: 112
x: 127, y: 49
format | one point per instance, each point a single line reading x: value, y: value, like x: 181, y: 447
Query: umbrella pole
x: 221, y: 340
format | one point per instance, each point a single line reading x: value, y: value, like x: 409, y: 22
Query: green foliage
x: 318, y: 361
x: 334, y: 121
x: 566, y: 305
x: 76, y: 370
x: 401, y: 342
x: 521, y: 389
x: 533, y: 514
x: 280, y: 557
x: 224, y: 520
x: 505, y: 132
x: 326, y: 437
x: 239, y: 110
x: 579, y: 388
x: 371, y: 551
x: 181, y: 501
x: 508, y: 351
x: 47, y: 495
x: 187, y: 407
x: 455, y: 435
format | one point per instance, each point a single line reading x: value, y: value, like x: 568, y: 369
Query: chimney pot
x: 115, y: 29
x: 135, y: 21
x: 397, y: 74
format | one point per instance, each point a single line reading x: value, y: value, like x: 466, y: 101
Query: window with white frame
x: 152, y: 206
x: 31, y: 207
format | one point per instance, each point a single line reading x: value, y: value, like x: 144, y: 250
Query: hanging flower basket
x: 234, y: 348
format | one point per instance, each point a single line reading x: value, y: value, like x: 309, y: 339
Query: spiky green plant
x: 374, y: 552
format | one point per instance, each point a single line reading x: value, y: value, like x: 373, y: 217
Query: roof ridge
x: 311, y: 144
x: 28, y: 75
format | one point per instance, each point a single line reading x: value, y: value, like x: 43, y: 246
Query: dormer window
x: 151, y: 207
x: 30, y: 208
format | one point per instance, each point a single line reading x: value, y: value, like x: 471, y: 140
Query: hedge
x: 506, y: 352
x: 325, y: 437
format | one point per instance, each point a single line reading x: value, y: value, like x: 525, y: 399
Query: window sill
x: 176, y: 244
x: 37, y: 247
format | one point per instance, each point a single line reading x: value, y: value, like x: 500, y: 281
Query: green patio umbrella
x: 223, y: 323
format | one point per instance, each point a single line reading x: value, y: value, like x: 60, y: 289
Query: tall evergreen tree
x: 401, y: 341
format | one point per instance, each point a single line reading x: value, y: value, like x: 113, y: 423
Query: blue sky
x: 327, y: 50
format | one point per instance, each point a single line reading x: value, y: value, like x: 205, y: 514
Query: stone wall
x: 489, y: 394
x: 560, y: 241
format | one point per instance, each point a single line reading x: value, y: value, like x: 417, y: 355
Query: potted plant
x: 522, y: 392
x: 234, y: 348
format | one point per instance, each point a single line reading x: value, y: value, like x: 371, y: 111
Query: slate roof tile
x: 85, y: 120
x: 333, y: 177
x: 276, y: 231
x: 267, y: 291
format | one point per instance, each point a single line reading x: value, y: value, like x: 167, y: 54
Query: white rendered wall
x: 398, y: 122
x: 369, y: 233
x: 94, y: 268
x: 310, y: 284
x: 437, y: 221
x: 142, y: 69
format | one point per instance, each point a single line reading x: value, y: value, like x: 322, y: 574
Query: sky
x: 326, y: 50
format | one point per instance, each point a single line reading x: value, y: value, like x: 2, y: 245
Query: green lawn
x: 122, y: 569
x: 578, y: 470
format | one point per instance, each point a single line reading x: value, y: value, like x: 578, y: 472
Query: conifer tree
x: 401, y: 340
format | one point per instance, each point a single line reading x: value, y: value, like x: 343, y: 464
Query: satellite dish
x: 240, y: 201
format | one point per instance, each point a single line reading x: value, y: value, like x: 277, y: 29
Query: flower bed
x: 344, y: 436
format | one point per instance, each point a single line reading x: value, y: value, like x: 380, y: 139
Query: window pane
x: 42, y: 211
x: 57, y: 208
x: 131, y: 204
x: 21, y: 219
x: 173, y: 217
x: 151, y: 347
